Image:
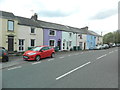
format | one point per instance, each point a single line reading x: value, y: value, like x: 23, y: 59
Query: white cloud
x: 80, y: 12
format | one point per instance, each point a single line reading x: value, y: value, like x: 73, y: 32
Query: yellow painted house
x: 8, y: 31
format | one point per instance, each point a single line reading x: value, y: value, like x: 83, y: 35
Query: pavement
x: 86, y: 69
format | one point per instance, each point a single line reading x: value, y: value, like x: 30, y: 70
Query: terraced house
x: 19, y: 33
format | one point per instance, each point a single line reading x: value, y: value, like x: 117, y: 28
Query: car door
x: 44, y: 52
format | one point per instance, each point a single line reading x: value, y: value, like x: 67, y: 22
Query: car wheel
x: 52, y: 55
x: 37, y: 58
x: 7, y: 59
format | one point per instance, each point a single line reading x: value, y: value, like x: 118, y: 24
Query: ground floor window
x: 21, y: 44
x: 70, y: 43
x: 52, y: 42
x: 32, y: 42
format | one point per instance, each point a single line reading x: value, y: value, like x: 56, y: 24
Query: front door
x: 10, y: 43
x: 59, y: 45
x: 80, y: 44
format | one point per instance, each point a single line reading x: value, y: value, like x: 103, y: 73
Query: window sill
x: 10, y: 31
x: 32, y: 33
x: 52, y: 35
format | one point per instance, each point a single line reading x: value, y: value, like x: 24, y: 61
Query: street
x: 80, y: 69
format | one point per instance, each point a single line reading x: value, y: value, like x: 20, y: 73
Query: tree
x: 112, y: 37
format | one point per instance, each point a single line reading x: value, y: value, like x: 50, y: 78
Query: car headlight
x: 31, y: 53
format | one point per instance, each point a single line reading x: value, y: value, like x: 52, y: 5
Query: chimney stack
x: 35, y: 16
x: 85, y: 28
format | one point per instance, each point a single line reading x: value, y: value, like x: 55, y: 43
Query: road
x: 87, y: 69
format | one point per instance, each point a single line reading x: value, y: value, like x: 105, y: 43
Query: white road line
x: 50, y: 59
x: 116, y: 50
x: 82, y: 53
x: 69, y: 55
x: 36, y: 63
x: 77, y: 54
x: 101, y: 56
x: 14, y: 68
x: 72, y: 71
x: 61, y: 57
x: 111, y: 52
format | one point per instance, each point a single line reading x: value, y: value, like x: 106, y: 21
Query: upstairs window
x: 10, y: 25
x: 80, y: 36
x: 52, y: 33
x: 32, y: 30
x: 70, y: 34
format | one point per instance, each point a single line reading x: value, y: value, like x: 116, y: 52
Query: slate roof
x: 93, y: 33
x: 7, y: 14
x: 44, y: 24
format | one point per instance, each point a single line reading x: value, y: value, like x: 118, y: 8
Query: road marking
x: 111, y: 52
x: 77, y: 54
x: 61, y: 57
x: 101, y: 56
x: 51, y: 59
x: 72, y: 71
x: 82, y: 53
x: 116, y: 50
x: 14, y: 68
x: 36, y: 63
x: 69, y: 55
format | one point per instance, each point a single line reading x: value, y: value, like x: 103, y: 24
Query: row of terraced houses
x: 19, y: 33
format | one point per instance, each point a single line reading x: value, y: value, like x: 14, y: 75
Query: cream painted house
x: 28, y: 38
x: 18, y: 33
x: 8, y: 32
x: 81, y: 41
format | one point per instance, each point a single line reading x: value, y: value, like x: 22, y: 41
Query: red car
x: 39, y: 52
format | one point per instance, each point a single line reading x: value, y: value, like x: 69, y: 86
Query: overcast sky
x: 98, y: 15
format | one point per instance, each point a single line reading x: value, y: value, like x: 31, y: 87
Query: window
x: 70, y: 43
x: 10, y: 25
x: 32, y: 30
x: 52, y: 43
x: 98, y: 38
x: 32, y: 42
x: 70, y: 34
x: 52, y: 32
x: 80, y: 36
x: 45, y: 48
x: 21, y: 44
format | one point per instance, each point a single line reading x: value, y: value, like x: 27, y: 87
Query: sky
x: 98, y: 15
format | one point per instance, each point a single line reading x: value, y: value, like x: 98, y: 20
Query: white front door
x: 21, y: 45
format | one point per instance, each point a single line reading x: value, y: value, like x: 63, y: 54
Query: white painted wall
x: 24, y: 32
x: 67, y: 38
x: 83, y: 40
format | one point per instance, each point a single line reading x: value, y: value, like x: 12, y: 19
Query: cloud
x: 55, y: 13
x: 105, y: 14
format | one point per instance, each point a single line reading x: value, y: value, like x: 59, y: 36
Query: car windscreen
x: 36, y: 49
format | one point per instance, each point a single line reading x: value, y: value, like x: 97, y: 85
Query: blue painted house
x: 91, y: 41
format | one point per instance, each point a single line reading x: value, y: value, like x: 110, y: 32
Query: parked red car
x: 39, y: 52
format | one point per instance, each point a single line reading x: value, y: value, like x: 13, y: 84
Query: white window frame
x: 54, y: 42
x: 34, y: 31
x: 10, y: 22
x: 70, y: 34
x: 52, y: 30
x: 23, y: 45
